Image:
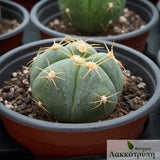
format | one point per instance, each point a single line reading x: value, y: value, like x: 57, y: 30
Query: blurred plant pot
x: 158, y: 56
x: 154, y: 1
x: 45, y: 11
x: 158, y: 59
x: 158, y: 6
x: 27, y: 4
x: 50, y: 139
x: 12, y: 39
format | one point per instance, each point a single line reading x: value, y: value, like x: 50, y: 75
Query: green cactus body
x: 91, y: 16
x: 76, y: 86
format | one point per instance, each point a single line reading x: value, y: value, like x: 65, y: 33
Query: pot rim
x: 84, y: 127
x: 22, y: 25
x: 158, y: 58
x: 158, y: 5
x: 146, y: 28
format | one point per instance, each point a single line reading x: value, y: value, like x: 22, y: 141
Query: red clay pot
x: 12, y: 39
x: 50, y: 139
x: 45, y: 11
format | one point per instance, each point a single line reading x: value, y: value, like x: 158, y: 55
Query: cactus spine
x: 91, y: 16
x: 76, y: 84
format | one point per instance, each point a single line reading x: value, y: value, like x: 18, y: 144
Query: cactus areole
x: 91, y: 16
x: 73, y: 83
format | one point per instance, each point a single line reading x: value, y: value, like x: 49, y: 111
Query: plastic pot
x: 154, y: 1
x: 50, y: 139
x: 12, y: 39
x: 27, y: 4
x: 158, y: 56
x: 158, y: 6
x: 158, y: 59
x: 45, y: 11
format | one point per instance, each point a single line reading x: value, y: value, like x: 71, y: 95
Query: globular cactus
x: 91, y: 16
x: 76, y: 84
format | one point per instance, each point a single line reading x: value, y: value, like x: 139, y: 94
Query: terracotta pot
x: 45, y: 11
x: 12, y: 39
x: 50, y: 139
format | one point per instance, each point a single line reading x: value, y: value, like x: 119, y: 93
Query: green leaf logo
x: 130, y: 145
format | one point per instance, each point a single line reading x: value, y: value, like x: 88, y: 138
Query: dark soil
x: 7, y: 25
x: 129, y: 21
x: 16, y: 95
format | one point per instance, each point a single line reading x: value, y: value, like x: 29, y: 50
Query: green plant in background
x: 75, y: 83
x: 91, y: 16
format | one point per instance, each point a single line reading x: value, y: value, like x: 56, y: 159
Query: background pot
x: 12, y: 39
x: 154, y: 1
x: 158, y: 59
x: 152, y: 44
x: 50, y: 139
x: 45, y: 11
x: 158, y: 6
x: 27, y: 4
x: 158, y: 55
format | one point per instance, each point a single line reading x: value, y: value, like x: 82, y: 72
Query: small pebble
x: 25, y: 71
x: 25, y: 81
x: 56, y: 22
x: 14, y: 74
x: 122, y: 19
x: 117, y: 29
